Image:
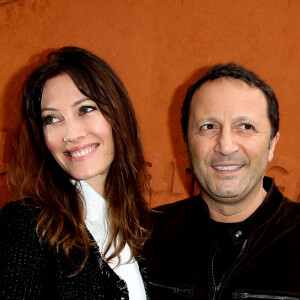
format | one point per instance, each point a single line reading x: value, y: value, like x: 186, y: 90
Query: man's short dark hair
x: 231, y: 70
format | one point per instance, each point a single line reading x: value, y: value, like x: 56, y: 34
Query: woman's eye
x: 50, y: 120
x: 86, y: 109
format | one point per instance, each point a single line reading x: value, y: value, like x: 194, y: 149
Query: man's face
x: 229, y: 140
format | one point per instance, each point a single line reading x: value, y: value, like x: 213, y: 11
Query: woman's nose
x: 74, y: 130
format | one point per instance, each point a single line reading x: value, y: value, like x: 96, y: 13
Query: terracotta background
x: 159, y: 47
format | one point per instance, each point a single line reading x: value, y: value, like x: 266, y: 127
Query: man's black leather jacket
x: 183, y: 251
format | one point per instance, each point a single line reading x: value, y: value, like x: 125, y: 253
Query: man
x: 240, y: 238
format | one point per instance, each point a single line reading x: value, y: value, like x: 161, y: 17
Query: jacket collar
x: 259, y: 218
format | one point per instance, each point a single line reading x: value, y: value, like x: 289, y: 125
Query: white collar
x: 94, y: 202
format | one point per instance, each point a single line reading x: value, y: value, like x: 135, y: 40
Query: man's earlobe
x: 272, y: 146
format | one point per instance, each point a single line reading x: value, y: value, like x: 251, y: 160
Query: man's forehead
x: 228, y: 88
x: 233, y: 82
x: 228, y: 98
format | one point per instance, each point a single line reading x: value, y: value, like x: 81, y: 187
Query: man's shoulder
x: 294, y: 205
x: 285, y: 219
x: 176, y: 215
x: 276, y: 199
x: 178, y: 207
x: 291, y: 211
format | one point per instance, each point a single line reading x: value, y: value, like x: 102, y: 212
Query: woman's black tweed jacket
x: 29, y: 271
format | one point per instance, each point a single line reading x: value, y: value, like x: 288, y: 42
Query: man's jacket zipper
x: 217, y: 287
x: 173, y: 289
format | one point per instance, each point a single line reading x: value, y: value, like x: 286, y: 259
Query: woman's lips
x: 81, y: 153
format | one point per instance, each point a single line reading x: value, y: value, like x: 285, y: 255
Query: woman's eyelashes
x: 48, y: 120
x: 82, y: 110
x: 86, y: 109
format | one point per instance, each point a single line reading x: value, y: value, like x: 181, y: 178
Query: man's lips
x: 81, y: 151
x: 227, y: 167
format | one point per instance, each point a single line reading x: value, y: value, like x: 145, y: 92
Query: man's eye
x: 247, y: 127
x: 86, y: 109
x: 207, y: 127
x: 50, y: 120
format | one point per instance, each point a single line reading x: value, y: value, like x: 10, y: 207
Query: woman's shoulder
x: 25, y: 206
x: 19, y: 214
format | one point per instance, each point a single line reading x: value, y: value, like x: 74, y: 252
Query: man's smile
x: 228, y: 167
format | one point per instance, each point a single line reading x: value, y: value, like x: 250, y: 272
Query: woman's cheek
x: 51, y: 139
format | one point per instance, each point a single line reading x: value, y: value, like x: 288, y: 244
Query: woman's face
x: 75, y: 132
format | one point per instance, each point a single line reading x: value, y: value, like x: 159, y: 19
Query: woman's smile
x: 81, y: 152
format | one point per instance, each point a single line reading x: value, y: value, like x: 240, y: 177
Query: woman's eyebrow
x: 77, y: 102
x: 48, y: 109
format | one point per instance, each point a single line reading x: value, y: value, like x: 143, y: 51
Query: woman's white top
x: 97, y: 225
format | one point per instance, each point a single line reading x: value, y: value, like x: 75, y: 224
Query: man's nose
x: 74, y: 131
x: 226, y: 142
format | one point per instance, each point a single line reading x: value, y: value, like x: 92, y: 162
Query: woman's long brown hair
x: 35, y: 174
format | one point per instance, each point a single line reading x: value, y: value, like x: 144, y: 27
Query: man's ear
x: 272, y: 145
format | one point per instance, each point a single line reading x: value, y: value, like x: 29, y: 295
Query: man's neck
x: 234, y: 213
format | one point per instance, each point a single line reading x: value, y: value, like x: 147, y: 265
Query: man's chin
x: 225, y: 195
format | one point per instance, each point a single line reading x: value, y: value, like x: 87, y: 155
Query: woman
x: 78, y: 145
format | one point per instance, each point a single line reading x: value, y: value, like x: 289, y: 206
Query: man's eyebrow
x: 207, y: 120
x: 212, y: 119
x: 217, y: 120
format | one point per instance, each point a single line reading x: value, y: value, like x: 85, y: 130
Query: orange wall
x: 159, y: 48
